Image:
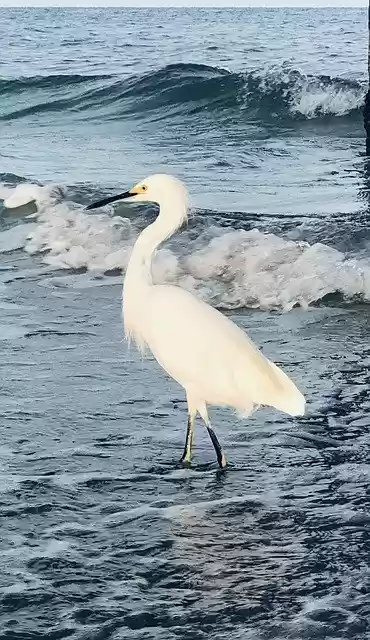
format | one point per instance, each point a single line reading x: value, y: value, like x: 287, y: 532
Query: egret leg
x: 186, y: 456
x: 221, y: 457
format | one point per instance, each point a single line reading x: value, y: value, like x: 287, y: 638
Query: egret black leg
x: 186, y: 456
x: 221, y: 458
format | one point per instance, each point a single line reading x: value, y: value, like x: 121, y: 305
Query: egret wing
x: 206, y: 352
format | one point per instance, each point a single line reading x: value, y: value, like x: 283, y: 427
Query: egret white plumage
x: 203, y: 350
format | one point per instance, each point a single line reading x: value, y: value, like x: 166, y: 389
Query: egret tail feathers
x: 287, y: 397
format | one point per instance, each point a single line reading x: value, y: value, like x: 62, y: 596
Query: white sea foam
x: 304, y: 95
x: 15, y: 237
x: 311, y: 98
x: 25, y: 193
x: 230, y: 269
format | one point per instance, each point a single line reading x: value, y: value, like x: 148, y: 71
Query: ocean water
x: 103, y: 534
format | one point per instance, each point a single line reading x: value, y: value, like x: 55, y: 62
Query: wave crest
x: 275, y: 94
x: 287, y: 92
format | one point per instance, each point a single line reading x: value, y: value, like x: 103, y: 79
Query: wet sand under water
x: 104, y: 535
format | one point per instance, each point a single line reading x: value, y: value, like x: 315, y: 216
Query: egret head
x: 159, y: 188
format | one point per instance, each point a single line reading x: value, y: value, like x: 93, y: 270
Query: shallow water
x: 104, y: 534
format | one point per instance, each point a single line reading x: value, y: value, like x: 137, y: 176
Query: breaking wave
x: 231, y: 269
x: 274, y: 94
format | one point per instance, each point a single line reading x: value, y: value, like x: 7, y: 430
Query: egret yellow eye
x: 144, y: 187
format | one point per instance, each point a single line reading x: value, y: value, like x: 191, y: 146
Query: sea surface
x: 103, y: 535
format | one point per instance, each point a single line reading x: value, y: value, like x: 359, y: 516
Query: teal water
x: 103, y: 534
x: 248, y: 106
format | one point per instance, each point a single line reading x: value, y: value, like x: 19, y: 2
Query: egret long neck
x: 139, y: 269
x: 139, y: 278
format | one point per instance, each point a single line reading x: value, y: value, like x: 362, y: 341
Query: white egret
x: 203, y: 350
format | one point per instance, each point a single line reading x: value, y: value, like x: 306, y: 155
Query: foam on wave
x: 230, y: 269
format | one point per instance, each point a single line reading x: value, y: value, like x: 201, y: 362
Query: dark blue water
x: 103, y: 534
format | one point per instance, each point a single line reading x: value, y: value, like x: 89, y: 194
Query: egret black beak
x: 102, y: 203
